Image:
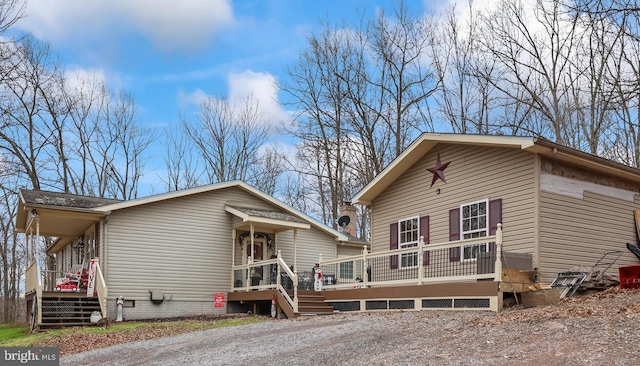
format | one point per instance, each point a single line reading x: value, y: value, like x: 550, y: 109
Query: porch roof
x: 62, y: 215
x: 265, y: 220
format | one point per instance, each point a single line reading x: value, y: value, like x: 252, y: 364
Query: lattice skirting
x: 62, y: 308
x: 450, y: 303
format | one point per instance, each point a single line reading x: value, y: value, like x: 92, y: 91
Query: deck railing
x: 268, y: 274
x: 33, y: 283
x: 31, y: 280
x: 425, y: 263
x: 52, y: 278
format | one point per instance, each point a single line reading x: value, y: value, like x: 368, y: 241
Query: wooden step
x: 313, y: 303
x: 60, y: 310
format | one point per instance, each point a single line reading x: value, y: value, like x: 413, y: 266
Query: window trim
x: 462, y: 232
x: 408, y: 244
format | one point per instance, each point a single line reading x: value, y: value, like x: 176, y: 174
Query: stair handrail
x: 294, y: 277
x: 101, y: 289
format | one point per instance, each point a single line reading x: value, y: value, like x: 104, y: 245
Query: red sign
x: 218, y: 299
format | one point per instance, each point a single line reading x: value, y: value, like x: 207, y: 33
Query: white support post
x: 295, y: 270
x: 248, y: 283
x: 279, y: 270
x: 252, y: 242
x: 233, y: 257
x: 498, y: 268
x: 420, y: 260
x: 365, y: 277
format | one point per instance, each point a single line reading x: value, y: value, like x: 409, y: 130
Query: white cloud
x: 170, y: 24
x: 195, y: 98
x: 261, y: 86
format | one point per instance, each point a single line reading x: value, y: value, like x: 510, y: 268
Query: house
x: 560, y: 206
x: 168, y: 255
x: 451, y: 216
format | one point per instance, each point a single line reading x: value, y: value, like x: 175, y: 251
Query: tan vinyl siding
x: 311, y: 243
x: 348, y: 251
x: 474, y: 173
x: 183, y: 246
x: 577, y: 232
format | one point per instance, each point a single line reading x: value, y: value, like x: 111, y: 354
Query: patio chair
x: 71, y: 281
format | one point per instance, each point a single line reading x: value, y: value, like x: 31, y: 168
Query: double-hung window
x: 474, y: 221
x: 346, y: 270
x: 408, y: 237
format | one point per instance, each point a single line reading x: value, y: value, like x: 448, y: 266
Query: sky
x: 171, y: 54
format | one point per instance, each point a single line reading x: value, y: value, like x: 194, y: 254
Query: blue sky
x: 170, y: 54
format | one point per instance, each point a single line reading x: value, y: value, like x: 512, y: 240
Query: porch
x: 414, y: 278
x: 50, y: 304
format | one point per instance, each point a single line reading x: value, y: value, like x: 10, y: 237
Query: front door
x: 259, y: 246
x: 258, y: 249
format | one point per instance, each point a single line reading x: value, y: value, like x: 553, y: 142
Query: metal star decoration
x: 438, y: 170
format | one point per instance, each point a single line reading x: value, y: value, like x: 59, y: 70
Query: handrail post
x: 295, y: 292
x: 498, y: 267
x: 420, y: 260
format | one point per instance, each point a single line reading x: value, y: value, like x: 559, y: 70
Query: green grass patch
x: 19, y: 335
x: 13, y: 332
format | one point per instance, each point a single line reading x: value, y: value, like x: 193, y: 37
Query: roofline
x: 264, y: 220
x: 426, y: 141
x: 216, y: 186
x: 21, y: 216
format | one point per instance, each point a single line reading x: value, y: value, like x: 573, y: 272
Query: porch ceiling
x: 265, y: 220
x: 60, y: 223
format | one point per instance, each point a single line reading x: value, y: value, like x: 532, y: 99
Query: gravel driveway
x: 597, y: 331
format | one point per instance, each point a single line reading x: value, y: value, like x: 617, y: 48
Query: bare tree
x: 269, y: 167
x: 11, y: 255
x: 362, y: 95
x: 130, y: 142
x: 534, y: 53
x: 400, y: 45
x: 227, y: 137
x: 182, y: 166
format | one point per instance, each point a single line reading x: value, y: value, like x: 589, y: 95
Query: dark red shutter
x: 454, y: 234
x: 393, y: 244
x: 495, y: 218
x: 424, y: 231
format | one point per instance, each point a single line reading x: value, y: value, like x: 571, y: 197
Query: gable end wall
x: 474, y: 173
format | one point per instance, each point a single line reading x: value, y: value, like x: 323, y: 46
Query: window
x: 474, y: 219
x: 346, y: 270
x: 408, y: 232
